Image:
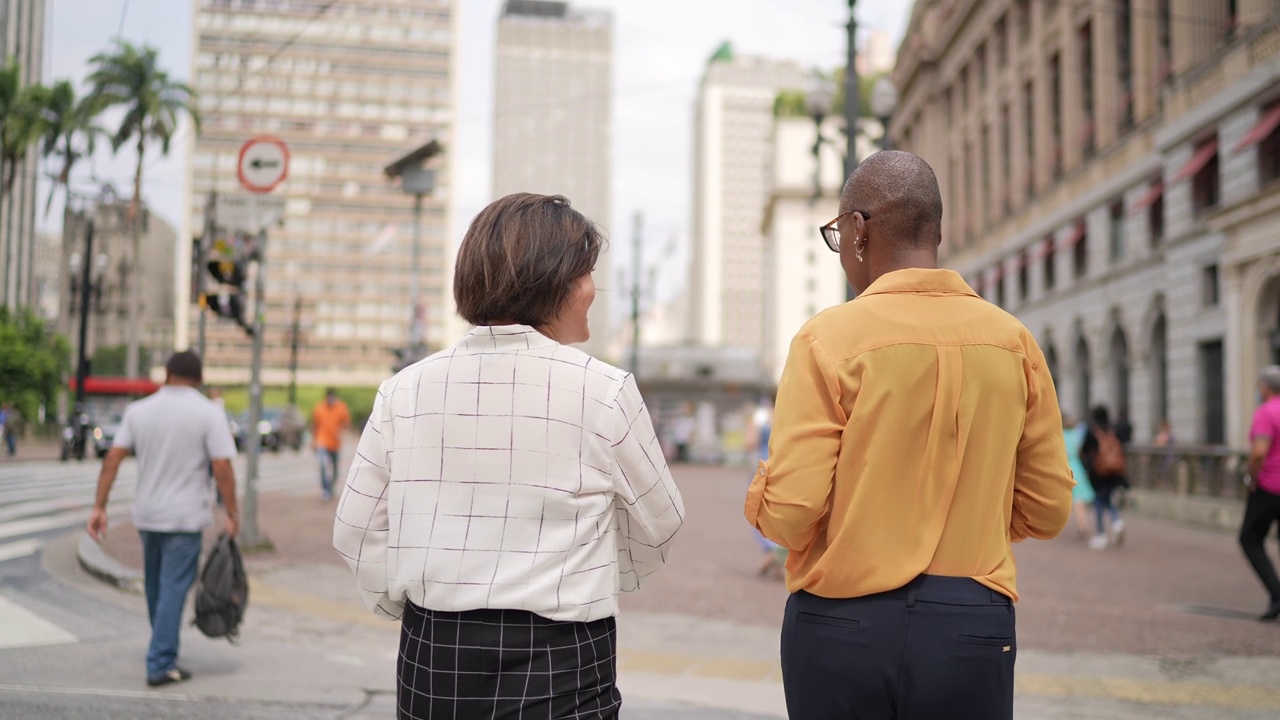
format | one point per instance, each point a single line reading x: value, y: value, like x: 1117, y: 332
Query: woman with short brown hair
x: 507, y: 488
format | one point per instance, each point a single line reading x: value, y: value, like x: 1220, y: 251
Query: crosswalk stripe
x: 19, y: 548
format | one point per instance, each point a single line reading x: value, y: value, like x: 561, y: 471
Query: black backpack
x: 222, y: 592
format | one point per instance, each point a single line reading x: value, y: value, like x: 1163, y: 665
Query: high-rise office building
x: 553, y: 117
x: 21, y: 40
x: 733, y: 153
x: 350, y: 86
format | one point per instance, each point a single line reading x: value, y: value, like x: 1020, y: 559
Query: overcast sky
x: 660, y: 50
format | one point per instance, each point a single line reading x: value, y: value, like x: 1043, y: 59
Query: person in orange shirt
x: 916, y: 435
x: 329, y: 419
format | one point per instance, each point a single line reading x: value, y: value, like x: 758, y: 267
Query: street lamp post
x: 419, y: 181
x: 884, y: 100
x: 818, y: 101
x: 851, y: 111
x: 82, y: 360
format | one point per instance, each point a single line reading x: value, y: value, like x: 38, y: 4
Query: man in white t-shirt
x: 176, y: 434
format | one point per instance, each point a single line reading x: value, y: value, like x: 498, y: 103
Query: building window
x: 1029, y: 133
x: 1050, y: 265
x: 1024, y: 276
x: 1000, y: 286
x: 1269, y: 149
x: 1206, y: 184
x: 1155, y: 221
x: 1080, y: 250
x: 1117, y: 231
x: 984, y: 147
x: 1213, y: 391
x: 1086, y: 88
x: 1055, y: 112
x: 1209, y: 285
x: 1006, y: 161
x: 980, y: 66
x: 1124, y: 61
x: 1164, y: 35
x: 1233, y: 18
x: 1000, y: 38
x: 1024, y: 20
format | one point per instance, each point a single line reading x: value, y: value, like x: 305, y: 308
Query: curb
x: 99, y: 564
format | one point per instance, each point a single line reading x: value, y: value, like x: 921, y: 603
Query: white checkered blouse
x: 507, y: 472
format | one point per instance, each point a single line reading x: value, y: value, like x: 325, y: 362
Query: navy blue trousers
x: 939, y: 647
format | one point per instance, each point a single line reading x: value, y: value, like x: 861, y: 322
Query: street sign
x: 248, y: 213
x: 264, y: 164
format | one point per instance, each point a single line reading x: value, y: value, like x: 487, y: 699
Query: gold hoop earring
x: 857, y: 252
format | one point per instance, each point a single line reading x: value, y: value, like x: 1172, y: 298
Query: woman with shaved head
x: 916, y: 436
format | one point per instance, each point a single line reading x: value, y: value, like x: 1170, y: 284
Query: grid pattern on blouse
x: 507, y: 472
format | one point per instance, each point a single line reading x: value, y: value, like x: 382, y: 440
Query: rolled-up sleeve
x: 1042, y: 480
x: 650, y: 509
x: 361, y: 528
x: 791, y: 491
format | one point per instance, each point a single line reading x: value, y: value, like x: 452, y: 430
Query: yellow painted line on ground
x: 1148, y: 692
x: 266, y: 594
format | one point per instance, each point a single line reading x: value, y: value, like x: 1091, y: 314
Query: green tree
x: 154, y: 103
x: 70, y: 132
x: 33, y: 361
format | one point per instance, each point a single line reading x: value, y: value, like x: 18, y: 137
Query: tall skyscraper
x: 349, y: 86
x: 553, y: 117
x: 22, y: 40
x: 733, y: 153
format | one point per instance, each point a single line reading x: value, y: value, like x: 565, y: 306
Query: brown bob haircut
x: 520, y: 258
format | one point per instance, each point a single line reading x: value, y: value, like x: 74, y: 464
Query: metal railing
x: 1202, y: 471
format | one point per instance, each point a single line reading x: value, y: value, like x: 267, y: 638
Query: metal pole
x: 82, y: 360
x: 250, y: 537
x: 415, y: 283
x: 636, y: 263
x: 851, y: 90
x: 293, y: 352
x: 202, y: 256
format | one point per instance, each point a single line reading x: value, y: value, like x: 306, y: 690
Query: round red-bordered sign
x: 263, y: 164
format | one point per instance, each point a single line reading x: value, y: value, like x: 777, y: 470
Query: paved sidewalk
x: 1160, y: 628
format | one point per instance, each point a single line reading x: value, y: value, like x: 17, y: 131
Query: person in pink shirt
x: 1263, y: 508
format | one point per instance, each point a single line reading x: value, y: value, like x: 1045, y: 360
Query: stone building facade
x: 1109, y: 171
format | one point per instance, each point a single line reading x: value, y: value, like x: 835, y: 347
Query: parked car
x: 279, y: 427
x: 104, y: 434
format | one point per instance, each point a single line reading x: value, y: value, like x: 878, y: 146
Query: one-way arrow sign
x: 264, y: 164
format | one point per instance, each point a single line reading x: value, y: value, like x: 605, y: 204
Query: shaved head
x: 899, y: 191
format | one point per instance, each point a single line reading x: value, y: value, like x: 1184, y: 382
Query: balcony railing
x: 1202, y: 471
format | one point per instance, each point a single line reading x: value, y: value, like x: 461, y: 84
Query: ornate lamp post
x: 884, y: 100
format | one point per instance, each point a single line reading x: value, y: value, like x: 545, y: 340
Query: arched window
x: 1159, y: 371
x: 1084, y: 377
x: 1119, y: 373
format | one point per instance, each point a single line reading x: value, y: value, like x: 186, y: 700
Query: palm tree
x: 153, y: 102
x: 20, y: 127
x: 70, y: 131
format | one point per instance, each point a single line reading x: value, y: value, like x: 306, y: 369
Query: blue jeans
x: 328, y: 470
x: 1102, y: 505
x: 169, y: 562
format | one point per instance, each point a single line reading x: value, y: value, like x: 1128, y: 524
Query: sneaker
x: 1098, y: 542
x: 1117, y: 532
x: 170, y: 676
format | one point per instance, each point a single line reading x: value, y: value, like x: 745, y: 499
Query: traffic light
x: 230, y: 301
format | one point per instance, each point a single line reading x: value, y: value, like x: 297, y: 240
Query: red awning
x: 1077, y: 234
x: 1267, y: 124
x: 1148, y: 198
x: 1046, y: 248
x: 1197, y: 162
x: 115, y: 386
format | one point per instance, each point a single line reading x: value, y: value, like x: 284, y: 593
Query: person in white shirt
x: 177, y: 434
x: 507, y: 488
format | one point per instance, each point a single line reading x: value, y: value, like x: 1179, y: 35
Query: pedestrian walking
x: 507, y: 488
x: 1103, y: 456
x: 9, y: 427
x: 1082, y: 495
x: 175, y: 434
x: 916, y: 434
x: 1262, y: 510
x: 329, y: 419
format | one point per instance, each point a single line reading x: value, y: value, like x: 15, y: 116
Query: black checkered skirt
x: 505, y: 664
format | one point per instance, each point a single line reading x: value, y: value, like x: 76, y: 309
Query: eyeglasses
x: 831, y: 235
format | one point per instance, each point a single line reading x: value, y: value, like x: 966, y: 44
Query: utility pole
x: 293, y: 351
x: 202, y: 252
x: 637, y: 263
x: 851, y: 90
x: 250, y: 537
x: 82, y: 357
